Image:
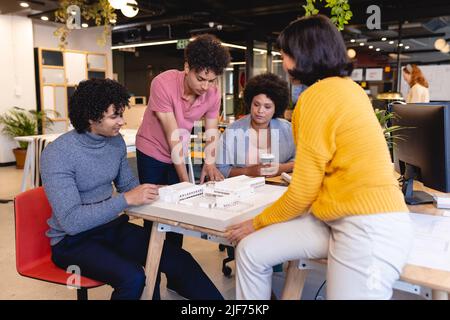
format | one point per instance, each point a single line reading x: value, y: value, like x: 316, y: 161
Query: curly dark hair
x: 92, y: 98
x: 317, y: 48
x: 207, y: 52
x: 273, y: 87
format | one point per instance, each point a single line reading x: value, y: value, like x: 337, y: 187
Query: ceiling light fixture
x: 131, y: 9
x: 45, y: 18
x: 377, y: 49
x: 370, y: 47
x: 211, y: 24
x: 407, y: 47
x: 84, y: 25
x: 145, y: 44
x: 362, y: 44
x: 24, y: 5
x: 391, y: 42
x: 231, y: 45
x: 383, y: 39
x: 117, y: 4
x: 446, y: 49
x: 353, y: 40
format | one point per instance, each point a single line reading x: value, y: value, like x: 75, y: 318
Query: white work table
x: 208, y: 224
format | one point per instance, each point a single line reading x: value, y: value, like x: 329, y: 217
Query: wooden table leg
x: 155, y: 247
x: 295, y: 281
x: 439, y: 295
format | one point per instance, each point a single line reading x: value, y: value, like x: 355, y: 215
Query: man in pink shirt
x: 177, y: 99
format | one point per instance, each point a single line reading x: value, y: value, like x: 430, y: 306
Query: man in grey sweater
x: 86, y: 229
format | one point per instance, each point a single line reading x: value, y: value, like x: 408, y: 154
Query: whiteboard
x: 438, y: 77
x: 374, y: 74
x: 357, y: 74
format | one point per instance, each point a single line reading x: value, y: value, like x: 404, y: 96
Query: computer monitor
x: 423, y: 150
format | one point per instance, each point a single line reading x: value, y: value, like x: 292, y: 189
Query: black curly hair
x: 207, y: 52
x: 273, y: 87
x: 92, y: 98
x: 317, y: 47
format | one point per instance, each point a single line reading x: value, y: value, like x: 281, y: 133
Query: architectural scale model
x: 223, y: 194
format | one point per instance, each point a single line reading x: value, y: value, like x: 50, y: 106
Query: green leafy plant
x: 391, y: 132
x: 340, y: 11
x: 100, y: 11
x: 19, y: 122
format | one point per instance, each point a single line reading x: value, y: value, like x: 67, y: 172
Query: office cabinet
x: 58, y: 72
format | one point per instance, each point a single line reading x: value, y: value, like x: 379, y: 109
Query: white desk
x: 208, y: 224
x: 37, y: 143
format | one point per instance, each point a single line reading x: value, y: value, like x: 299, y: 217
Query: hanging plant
x: 340, y: 11
x: 101, y: 12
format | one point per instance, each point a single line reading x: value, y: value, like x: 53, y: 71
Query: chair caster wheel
x: 226, y: 271
x: 221, y: 248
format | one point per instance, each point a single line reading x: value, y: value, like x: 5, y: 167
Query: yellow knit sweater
x: 342, y: 163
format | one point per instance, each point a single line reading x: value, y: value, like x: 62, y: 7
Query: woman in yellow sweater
x: 343, y: 202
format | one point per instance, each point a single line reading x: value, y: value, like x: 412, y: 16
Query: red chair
x: 33, y: 252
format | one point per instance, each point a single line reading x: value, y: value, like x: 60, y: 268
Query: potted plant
x: 390, y: 131
x: 19, y: 122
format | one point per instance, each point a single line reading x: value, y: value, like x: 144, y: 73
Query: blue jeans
x: 153, y: 171
x: 115, y: 253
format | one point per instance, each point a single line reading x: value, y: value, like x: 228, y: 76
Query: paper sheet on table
x: 431, y: 247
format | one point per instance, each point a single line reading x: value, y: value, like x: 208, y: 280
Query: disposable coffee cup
x: 266, y: 158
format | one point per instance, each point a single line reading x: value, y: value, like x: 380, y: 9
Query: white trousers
x: 366, y: 254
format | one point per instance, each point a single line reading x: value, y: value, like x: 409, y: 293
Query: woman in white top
x: 418, y: 91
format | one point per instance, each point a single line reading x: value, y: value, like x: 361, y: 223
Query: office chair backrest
x: 32, y: 210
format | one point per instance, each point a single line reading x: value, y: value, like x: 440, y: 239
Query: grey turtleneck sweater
x: 77, y: 174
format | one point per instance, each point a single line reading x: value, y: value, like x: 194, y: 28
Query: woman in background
x: 261, y: 131
x: 418, y: 85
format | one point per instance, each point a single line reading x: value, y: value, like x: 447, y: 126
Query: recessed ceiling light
x: 407, y: 47
x: 377, y: 49
x: 383, y: 39
x: 353, y: 40
x: 84, y: 25
x: 370, y: 47
x: 391, y: 42
x: 361, y: 44
x: 24, y: 5
x: 400, y: 44
x: 45, y: 18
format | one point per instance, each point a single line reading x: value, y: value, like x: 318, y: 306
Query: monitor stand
x: 415, y: 197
